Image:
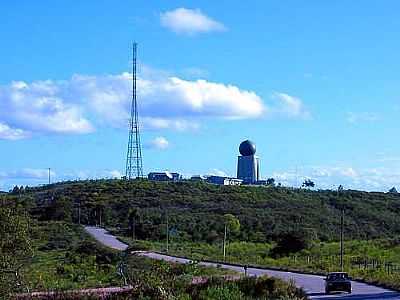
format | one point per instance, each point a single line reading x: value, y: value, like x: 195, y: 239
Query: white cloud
x: 354, y: 118
x: 165, y: 101
x: 83, y: 102
x: 34, y: 177
x: 160, y: 143
x: 217, y: 172
x: 349, y: 172
x: 290, y: 106
x: 328, y: 177
x: 8, y: 133
x: 27, y: 173
x: 113, y: 174
x: 149, y: 123
x: 390, y: 159
x: 204, y: 98
x: 38, y: 107
x: 189, y: 21
x: 80, y: 104
x: 194, y: 72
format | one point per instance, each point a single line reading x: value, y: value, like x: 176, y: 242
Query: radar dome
x: 247, y: 148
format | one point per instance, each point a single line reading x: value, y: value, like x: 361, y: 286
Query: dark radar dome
x: 247, y: 148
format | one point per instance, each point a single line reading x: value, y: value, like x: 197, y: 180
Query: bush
x: 291, y: 242
x: 265, y: 286
x: 224, y: 292
x: 103, y: 256
x: 137, y: 247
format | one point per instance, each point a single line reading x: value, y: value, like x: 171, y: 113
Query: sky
x: 315, y: 84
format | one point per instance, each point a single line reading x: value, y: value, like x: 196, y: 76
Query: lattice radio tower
x: 134, y: 165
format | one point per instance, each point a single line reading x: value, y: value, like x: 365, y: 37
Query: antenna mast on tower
x: 134, y: 165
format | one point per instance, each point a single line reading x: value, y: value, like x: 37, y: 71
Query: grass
x: 66, y: 257
x: 320, y: 258
x: 161, y: 280
x: 153, y: 279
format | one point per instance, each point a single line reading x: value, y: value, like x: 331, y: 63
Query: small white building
x: 224, y: 180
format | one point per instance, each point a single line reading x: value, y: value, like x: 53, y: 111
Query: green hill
x: 195, y: 209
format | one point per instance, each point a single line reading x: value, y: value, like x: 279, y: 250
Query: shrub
x: 224, y: 292
x: 291, y: 242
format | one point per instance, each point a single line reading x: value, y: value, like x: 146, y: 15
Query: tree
x: 292, y: 242
x: 231, y: 224
x: 15, y: 190
x: 212, y: 236
x: 271, y: 182
x: 15, y: 250
x: 308, y: 183
x: 100, y: 213
x: 134, y: 221
x: 60, y: 209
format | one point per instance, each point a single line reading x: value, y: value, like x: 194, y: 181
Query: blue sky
x: 315, y: 84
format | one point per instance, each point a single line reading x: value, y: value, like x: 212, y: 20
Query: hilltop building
x: 222, y: 180
x: 164, y: 176
x: 248, y: 167
x: 198, y: 178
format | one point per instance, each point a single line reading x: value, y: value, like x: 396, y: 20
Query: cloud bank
x: 79, y: 105
x: 38, y: 107
x: 354, y: 118
x: 8, y: 133
x: 160, y: 143
x: 290, y: 106
x: 328, y: 177
x: 189, y: 21
x: 84, y: 103
x: 27, y: 173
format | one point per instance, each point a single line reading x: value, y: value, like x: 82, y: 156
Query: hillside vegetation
x: 194, y: 210
x: 274, y: 226
x: 58, y: 258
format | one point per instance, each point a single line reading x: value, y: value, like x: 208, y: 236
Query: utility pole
x: 49, y: 176
x: 100, y: 215
x: 224, y: 245
x: 133, y: 229
x: 167, y: 232
x: 340, y: 188
x: 341, y: 239
x: 133, y: 215
x: 79, y: 212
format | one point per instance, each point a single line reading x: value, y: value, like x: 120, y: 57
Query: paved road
x: 312, y: 284
x: 105, y: 238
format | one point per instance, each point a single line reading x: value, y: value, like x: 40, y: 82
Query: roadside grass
x: 66, y: 257
x: 321, y: 258
x: 161, y: 280
x: 76, y: 262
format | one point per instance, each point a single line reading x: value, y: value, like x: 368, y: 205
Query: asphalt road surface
x: 312, y: 284
x: 105, y: 238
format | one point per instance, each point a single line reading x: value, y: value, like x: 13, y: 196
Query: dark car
x: 337, y: 282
